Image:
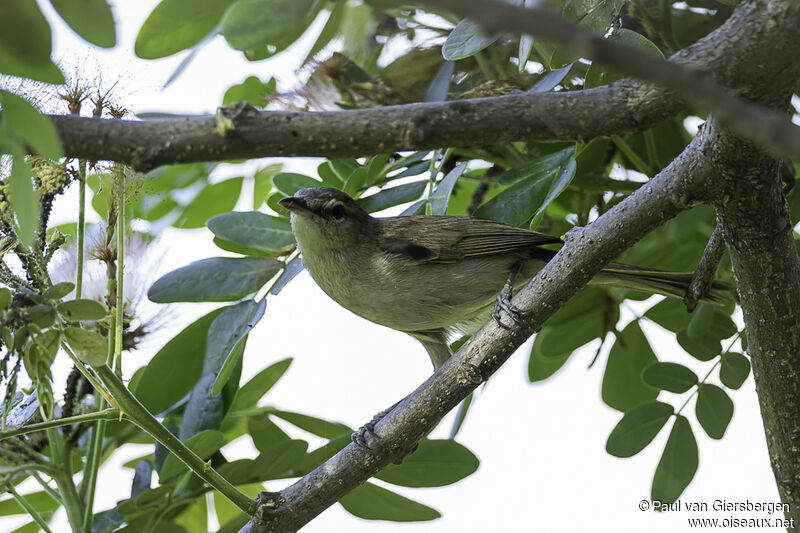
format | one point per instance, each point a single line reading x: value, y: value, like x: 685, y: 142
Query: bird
x: 432, y: 276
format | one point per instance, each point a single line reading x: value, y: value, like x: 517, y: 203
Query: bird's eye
x: 337, y: 212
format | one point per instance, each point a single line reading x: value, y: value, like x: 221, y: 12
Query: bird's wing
x: 450, y: 238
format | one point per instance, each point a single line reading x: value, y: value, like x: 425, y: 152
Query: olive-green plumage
x: 430, y: 275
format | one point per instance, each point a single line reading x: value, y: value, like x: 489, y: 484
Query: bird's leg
x: 504, y: 298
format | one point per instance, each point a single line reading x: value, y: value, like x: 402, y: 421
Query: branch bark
x: 703, y: 275
x: 586, y: 251
x: 734, y: 55
x: 768, y: 128
x: 757, y: 228
x: 629, y: 106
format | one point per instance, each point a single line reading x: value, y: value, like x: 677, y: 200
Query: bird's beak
x: 293, y: 203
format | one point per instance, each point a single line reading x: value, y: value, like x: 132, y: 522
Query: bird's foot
x: 367, y: 431
x: 504, y: 300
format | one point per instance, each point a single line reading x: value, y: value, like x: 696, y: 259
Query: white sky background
x: 541, y: 447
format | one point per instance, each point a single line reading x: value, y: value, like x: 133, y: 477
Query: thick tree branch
x: 734, y: 55
x: 622, y: 107
x: 584, y: 254
x: 769, y: 128
x: 757, y: 228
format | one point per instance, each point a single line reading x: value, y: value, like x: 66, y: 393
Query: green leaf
x: 376, y: 167
x: 169, y: 177
x: 251, y: 392
x: 714, y: 410
x: 623, y: 387
x: 701, y: 321
x: 392, y: 196
x: 355, y: 182
x: 25, y: 43
x: 441, y: 194
x: 180, y: 360
x: 254, y: 230
x: 83, y: 309
x: 91, y: 19
x: 5, y: 298
x: 702, y: 348
x: 530, y: 195
x: 264, y: 432
x: 41, y: 352
x: 525, y: 42
x: 281, y: 460
x: 670, y: 314
x: 465, y: 40
x: 229, y: 516
x: 252, y: 90
x: 203, y: 444
x: 318, y: 456
x: 637, y: 428
x: 550, y: 80
x: 678, y: 463
x: 376, y: 503
x: 292, y: 269
x: 89, y: 346
x: 56, y: 292
x: 541, y: 367
x: 329, y: 176
x: 580, y: 321
x: 315, y: 426
x: 734, y: 369
x: 23, y: 198
x: 253, y: 24
x: 202, y: 411
x: 435, y: 463
x: 722, y: 327
x: 330, y: 30
x: 440, y: 84
x: 212, y: 200
x: 600, y: 75
x: 176, y: 25
x: 225, y: 334
x: 672, y: 377
x: 34, y: 128
x: 218, y: 279
x: 41, y: 501
x: 43, y: 315
x: 262, y: 183
x: 289, y: 182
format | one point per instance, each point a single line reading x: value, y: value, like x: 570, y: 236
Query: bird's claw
x: 504, y: 303
x: 504, y: 300
x: 359, y: 437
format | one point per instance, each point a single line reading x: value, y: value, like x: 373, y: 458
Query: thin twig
x: 703, y: 276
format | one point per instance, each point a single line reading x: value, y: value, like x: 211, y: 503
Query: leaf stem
x: 89, y: 485
x: 47, y: 488
x: 63, y: 478
x: 637, y: 161
x: 105, y: 414
x: 117, y: 364
x: 716, y: 364
x: 133, y: 408
x: 81, y: 226
x: 30, y: 509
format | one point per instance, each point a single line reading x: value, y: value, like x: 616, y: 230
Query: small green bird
x: 430, y: 276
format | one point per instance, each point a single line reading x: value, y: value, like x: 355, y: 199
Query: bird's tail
x: 673, y: 284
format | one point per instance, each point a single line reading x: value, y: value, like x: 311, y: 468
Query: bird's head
x: 325, y: 218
